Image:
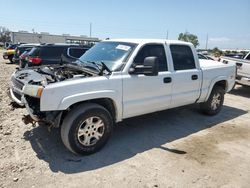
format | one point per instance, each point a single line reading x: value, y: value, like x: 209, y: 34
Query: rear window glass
x: 13, y: 46
x: 35, y: 52
x: 22, y: 49
x: 76, y: 52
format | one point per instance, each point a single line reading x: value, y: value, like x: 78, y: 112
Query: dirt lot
x: 173, y: 148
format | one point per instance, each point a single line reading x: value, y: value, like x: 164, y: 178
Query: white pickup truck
x: 243, y: 68
x: 119, y: 79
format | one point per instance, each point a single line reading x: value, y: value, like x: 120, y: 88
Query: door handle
x: 167, y: 80
x: 194, y: 77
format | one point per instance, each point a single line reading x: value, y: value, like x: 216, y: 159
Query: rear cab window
x: 183, y: 58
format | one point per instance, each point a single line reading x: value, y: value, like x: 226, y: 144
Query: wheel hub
x: 90, y: 131
x: 216, y: 101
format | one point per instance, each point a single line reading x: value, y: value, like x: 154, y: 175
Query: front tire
x: 86, y: 128
x: 214, y: 103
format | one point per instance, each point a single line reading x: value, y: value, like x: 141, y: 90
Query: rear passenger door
x: 186, y: 77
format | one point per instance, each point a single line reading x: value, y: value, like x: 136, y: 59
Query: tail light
x: 35, y: 60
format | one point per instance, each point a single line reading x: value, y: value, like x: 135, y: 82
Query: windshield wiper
x: 103, y: 67
x: 99, y: 67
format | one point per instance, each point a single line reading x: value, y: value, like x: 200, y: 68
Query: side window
x: 156, y: 50
x: 77, y: 52
x: 52, y: 52
x: 183, y: 57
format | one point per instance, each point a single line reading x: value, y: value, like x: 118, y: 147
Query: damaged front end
x: 31, y: 99
x: 32, y: 105
x: 33, y: 90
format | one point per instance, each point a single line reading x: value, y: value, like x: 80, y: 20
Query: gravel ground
x: 173, y: 148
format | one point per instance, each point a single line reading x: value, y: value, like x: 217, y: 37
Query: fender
x: 70, y: 100
x: 213, y: 82
x: 67, y: 101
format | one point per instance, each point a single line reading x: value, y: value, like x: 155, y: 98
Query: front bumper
x: 16, y: 96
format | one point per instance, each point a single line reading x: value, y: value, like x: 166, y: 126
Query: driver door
x: 145, y: 94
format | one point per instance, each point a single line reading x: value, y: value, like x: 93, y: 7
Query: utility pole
x: 167, y: 35
x: 206, y: 41
x: 90, y: 29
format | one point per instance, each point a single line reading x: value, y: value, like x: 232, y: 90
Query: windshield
x: 201, y: 56
x: 12, y: 46
x: 112, y: 54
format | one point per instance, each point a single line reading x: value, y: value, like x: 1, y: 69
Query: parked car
x: 119, y: 79
x: 48, y: 54
x: 20, y: 49
x: 10, y: 51
x: 243, y: 68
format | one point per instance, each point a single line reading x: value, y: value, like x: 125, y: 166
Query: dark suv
x: 52, y: 54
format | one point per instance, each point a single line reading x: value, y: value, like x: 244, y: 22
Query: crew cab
x: 243, y: 68
x: 119, y: 79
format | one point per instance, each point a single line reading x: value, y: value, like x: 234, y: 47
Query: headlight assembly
x: 33, y: 90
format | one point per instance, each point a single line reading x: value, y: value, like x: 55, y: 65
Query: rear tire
x: 86, y: 128
x: 214, y: 103
x: 11, y: 58
x: 22, y: 64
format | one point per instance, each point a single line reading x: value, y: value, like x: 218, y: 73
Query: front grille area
x: 16, y: 83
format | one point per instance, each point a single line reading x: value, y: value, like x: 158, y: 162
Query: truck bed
x: 217, y: 70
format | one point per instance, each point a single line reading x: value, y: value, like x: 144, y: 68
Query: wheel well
x: 222, y: 84
x: 105, y: 102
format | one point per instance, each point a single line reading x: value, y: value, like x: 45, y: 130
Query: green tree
x: 188, y: 37
x: 4, y: 34
x: 216, y: 51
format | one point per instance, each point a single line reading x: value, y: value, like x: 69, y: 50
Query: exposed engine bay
x: 57, y: 74
x: 44, y: 75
